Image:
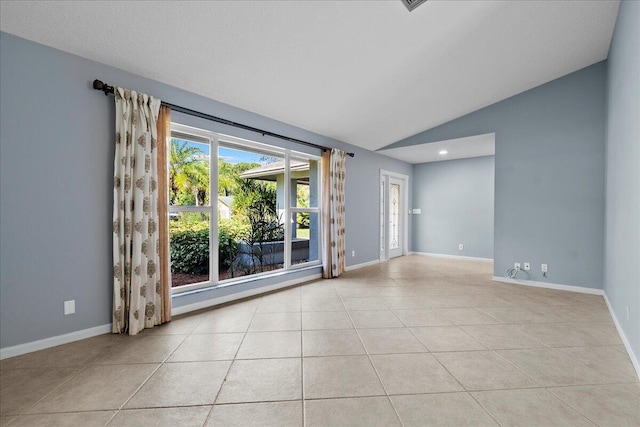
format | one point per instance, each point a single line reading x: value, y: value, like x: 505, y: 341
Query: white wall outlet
x: 527, y: 266
x: 544, y: 268
x: 627, y: 312
x: 69, y: 307
x: 353, y: 253
x: 516, y: 265
x: 417, y: 211
x: 461, y: 247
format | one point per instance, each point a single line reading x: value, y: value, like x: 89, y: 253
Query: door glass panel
x: 382, y: 228
x: 394, y: 216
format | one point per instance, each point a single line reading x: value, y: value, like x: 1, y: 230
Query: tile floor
x: 417, y: 341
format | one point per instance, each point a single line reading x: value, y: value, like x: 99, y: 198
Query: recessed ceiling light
x: 442, y: 152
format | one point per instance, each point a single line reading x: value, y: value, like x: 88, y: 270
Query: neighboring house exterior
x: 224, y: 207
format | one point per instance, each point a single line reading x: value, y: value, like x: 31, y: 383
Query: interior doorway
x: 394, y: 190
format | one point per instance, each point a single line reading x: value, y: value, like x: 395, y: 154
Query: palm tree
x: 188, y: 174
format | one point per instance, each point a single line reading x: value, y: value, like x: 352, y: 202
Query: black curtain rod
x: 100, y: 85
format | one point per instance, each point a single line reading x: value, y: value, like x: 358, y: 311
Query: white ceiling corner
x: 458, y: 148
x: 369, y: 73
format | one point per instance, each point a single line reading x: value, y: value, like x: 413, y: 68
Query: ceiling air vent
x: 412, y: 4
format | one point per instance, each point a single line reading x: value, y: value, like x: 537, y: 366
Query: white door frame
x: 385, y: 176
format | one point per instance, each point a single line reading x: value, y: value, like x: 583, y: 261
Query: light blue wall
x: 622, y: 255
x: 456, y: 199
x: 56, y: 171
x: 549, y: 176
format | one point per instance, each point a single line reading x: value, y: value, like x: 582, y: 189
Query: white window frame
x: 216, y: 140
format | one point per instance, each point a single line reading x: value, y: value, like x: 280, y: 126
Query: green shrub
x: 189, y: 246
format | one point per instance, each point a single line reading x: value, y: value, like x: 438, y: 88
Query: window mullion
x: 213, y: 201
x: 287, y: 211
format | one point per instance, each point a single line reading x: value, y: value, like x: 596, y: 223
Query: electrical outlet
x: 69, y: 307
x: 353, y: 253
x: 461, y: 247
x: 516, y: 265
x: 527, y: 266
x: 544, y: 268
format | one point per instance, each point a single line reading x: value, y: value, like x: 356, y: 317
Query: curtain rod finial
x: 100, y: 85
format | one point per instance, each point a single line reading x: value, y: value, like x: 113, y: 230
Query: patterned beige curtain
x: 137, y: 292
x: 333, y: 181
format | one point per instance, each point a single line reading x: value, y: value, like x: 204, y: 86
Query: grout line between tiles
x: 373, y: 366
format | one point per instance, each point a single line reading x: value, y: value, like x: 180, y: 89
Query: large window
x: 264, y: 216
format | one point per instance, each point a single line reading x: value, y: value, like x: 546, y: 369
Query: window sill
x: 207, y: 287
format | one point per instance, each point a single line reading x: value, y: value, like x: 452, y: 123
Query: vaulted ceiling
x: 365, y: 72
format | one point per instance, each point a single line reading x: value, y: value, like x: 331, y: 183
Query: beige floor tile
x: 573, y: 334
x: 607, y: 361
x: 375, y: 319
x: 289, y: 305
x: 4, y: 421
x: 224, y: 322
x: 75, y: 354
x: 484, y: 370
x: 193, y: 416
x: 22, y: 388
x: 84, y: 419
x: 405, y: 303
x: 267, y: 414
x: 516, y: 315
x: 501, y: 336
x: 358, y: 291
x: 181, y: 384
x: 467, y: 316
x: 413, y: 373
x: 549, y: 367
x: 326, y: 290
x: 204, y: 347
x: 263, y: 322
x: 446, y: 338
x: 96, y: 388
x: 340, y: 376
x: 608, y: 405
x: 535, y: 407
x: 183, y: 325
x: 443, y: 409
x: 340, y: 342
x: 270, y: 345
x: 262, y: 380
x: 390, y: 340
x: 427, y: 317
x: 322, y: 304
x: 142, y: 349
x: 325, y: 320
x: 394, y: 291
x: 359, y: 411
x: 366, y: 303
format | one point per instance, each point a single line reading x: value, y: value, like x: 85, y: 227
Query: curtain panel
x: 333, y: 208
x: 137, y: 288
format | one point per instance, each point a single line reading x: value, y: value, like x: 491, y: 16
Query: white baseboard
x: 468, y: 258
x: 364, y: 264
x: 623, y: 337
x: 175, y: 311
x: 42, y: 344
x: 570, y: 288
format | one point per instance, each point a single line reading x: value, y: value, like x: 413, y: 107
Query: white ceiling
x: 365, y: 72
x: 459, y: 148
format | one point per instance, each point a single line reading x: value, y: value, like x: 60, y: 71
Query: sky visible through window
x: 227, y: 154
